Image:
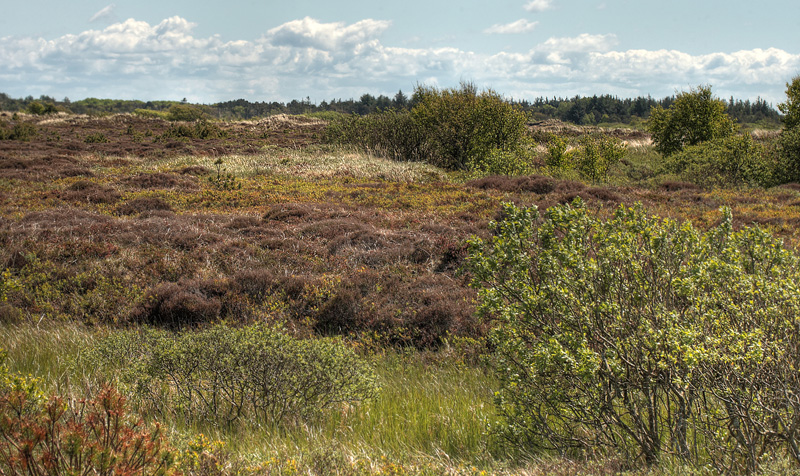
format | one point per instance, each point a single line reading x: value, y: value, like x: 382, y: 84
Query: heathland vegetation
x: 440, y: 284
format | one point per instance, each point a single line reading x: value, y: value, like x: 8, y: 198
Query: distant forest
x: 593, y: 110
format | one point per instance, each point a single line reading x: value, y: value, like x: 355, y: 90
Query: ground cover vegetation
x: 374, y: 294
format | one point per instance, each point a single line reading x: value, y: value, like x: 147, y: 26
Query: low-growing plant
x: 21, y: 131
x: 41, y: 435
x: 223, y: 180
x: 96, y: 138
x: 228, y: 375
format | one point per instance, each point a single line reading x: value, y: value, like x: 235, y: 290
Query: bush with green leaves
x: 502, y: 162
x: 695, y: 117
x: 789, y: 140
x: 593, y: 158
x: 391, y: 134
x: 461, y: 124
x: 731, y: 161
x: 597, y: 154
x: 791, y: 108
x: 185, y: 112
x: 227, y: 375
x: 451, y: 128
x: 642, y: 337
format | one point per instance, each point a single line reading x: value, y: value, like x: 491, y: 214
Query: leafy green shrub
x: 450, y: 128
x: 463, y: 124
x: 96, y: 436
x: 598, y: 153
x: 390, y: 134
x: 593, y: 158
x: 557, y: 157
x: 789, y: 154
x: 22, y: 131
x: 731, y: 161
x: 642, y: 337
x: 791, y: 108
x: 501, y: 162
x: 225, y: 375
x: 695, y: 117
x: 185, y: 112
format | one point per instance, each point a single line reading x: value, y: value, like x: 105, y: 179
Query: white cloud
x: 519, y: 26
x: 582, y: 43
x: 106, y: 13
x: 309, y: 32
x: 133, y: 59
x: 538, y: 5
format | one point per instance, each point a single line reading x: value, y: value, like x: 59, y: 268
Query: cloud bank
x: 306, y: 57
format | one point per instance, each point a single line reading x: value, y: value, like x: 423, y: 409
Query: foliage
x: 641, y: 336
x: 389, y: 134
x: 451, y: 128
x: 96, y: 138
x: 789, y: 153
x: 226, y: 375
x: 593, y: 158
x: 557, y: 157
x: 791, y: 108
x: 22, y: 131
x: 185, y: 112
x: 501, y: 162
x: 598, y: 153
x: 463, y: 124
x: 789, y: 140
x: 731, y: 161
x: 695, y: 117
x: 40, y: 109
x: 201, y: 129
x: 223, y: 180
x: 55, y: 436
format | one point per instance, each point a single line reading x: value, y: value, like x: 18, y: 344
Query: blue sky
x: 267, y: 51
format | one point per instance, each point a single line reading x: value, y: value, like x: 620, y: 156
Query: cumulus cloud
x: 519, y: 26
x: 134, y: 59
x: 538, y: 5
x: 106, y: 13
x: 309, y: 32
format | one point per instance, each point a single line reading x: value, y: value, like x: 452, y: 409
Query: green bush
x: 791, y: 108
x: 227, y: 375
x: 22, y: 131
x: 557, y: 156
x: 593, y: 158
x: 641, y: 337
x: 451, y: 128
x: 597, y: 154
x: 391, y: 134
x: 732, y: 161
x: 185, y: 112
x: 695, y: 117
x: 501, y: 162
x: 463, y: 124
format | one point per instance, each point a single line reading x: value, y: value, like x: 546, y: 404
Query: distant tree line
x: 578, y: 110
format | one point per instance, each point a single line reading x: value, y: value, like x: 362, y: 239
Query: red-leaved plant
x: 94, y: 436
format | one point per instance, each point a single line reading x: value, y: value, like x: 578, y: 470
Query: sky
x: 263, y: 50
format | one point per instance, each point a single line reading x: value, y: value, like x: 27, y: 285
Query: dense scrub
x: 641, y: 336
